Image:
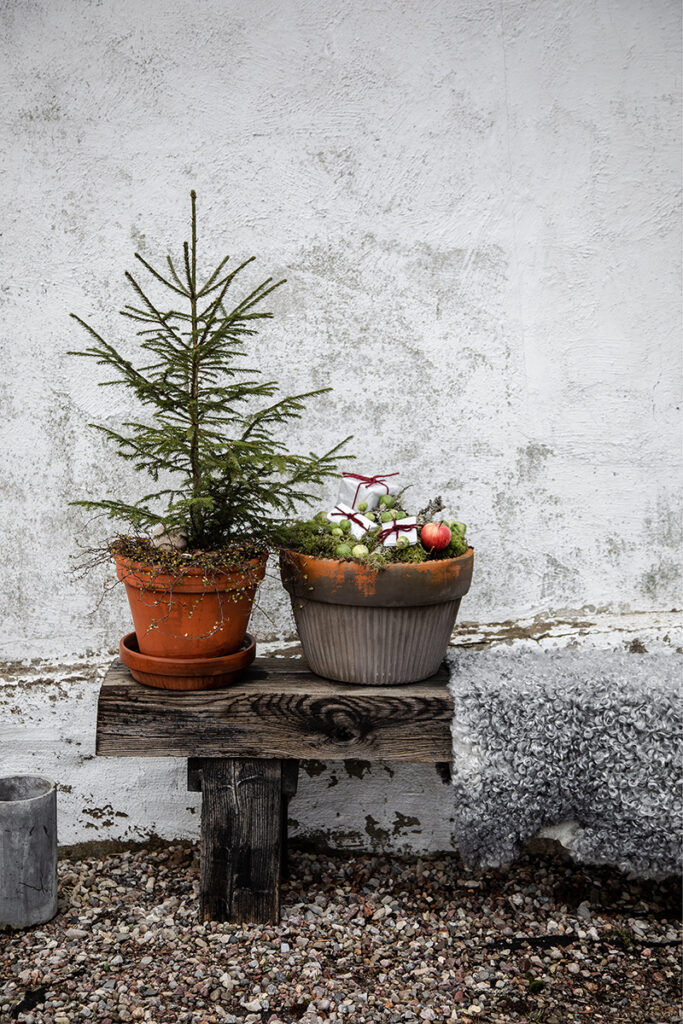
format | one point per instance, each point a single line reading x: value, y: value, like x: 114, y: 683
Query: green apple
x: 360, y: 551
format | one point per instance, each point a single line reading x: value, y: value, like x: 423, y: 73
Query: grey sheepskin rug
x: 588, y: 740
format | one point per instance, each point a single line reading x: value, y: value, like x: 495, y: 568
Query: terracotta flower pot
x: 190, y: 615
x: 389, y: 626
x: 186, y: 673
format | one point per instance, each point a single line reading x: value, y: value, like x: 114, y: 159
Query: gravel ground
x: 362, y: 938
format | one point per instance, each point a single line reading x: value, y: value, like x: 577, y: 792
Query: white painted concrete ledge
x: 47, y: 727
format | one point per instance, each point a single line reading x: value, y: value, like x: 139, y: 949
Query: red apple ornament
x: 435, y: 536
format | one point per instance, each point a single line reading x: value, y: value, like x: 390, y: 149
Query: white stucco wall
x: 476, y: 208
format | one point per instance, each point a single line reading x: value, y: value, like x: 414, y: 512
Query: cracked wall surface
x: 476, y: 206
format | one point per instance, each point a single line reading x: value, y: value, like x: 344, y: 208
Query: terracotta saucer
x: 186, y: 673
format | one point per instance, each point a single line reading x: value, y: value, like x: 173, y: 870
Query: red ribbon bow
x: 351, y: 516
x: 396, y: 527
x: 368, y: 481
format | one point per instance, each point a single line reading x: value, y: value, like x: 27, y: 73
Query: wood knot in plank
x: 337, y: 719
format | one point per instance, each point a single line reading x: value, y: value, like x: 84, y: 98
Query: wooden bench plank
x: 280, y: 709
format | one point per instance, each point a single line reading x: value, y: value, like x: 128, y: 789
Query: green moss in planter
x: 225, y: 559
x: 314, y: 537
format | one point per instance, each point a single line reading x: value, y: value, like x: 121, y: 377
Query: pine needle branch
x: 218, y: 452
x: 180, y: 291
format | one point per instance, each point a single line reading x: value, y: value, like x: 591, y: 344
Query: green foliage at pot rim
x: 320, y: 538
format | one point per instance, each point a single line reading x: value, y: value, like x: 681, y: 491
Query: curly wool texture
x: 586, y: 738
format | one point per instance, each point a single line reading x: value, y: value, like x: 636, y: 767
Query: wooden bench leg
x: 241, y: 838
x: 290, y: 781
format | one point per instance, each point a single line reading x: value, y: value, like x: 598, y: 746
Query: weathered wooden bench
x: 243, y: 746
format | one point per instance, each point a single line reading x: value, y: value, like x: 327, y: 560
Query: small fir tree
x: 226, y: 476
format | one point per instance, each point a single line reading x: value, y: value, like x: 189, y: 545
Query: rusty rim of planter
x: 401, y: 585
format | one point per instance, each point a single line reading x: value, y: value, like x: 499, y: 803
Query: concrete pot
x: 359, y: 625
x: 28, y: 851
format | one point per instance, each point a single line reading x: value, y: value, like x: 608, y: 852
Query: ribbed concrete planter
x: 28, y: 851
x: 381, y: 627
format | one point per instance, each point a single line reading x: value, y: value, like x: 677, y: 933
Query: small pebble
x: 362, y: 940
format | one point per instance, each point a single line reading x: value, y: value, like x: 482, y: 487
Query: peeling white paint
x: 47, y: 727
x: 477, y: 208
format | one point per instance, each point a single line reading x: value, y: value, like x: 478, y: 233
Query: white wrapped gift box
x: 359, y: 524
x: 390, y: 532
x: 354, y: 488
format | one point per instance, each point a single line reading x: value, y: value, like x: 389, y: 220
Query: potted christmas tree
x: 195, y: 547
x: 375, y: 591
